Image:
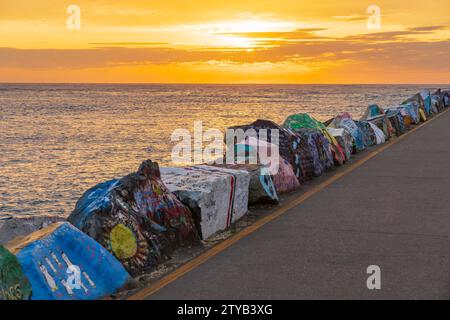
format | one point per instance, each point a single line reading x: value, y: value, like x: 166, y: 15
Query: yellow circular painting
x: 123, y: 242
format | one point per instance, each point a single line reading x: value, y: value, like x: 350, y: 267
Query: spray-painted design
x: 47, y: 255
x: 291, y: 147
x: 426, y: 98
x: 231, y: 194
x: 417, y: 99
x: 380, y: 137
x: 261, y: 188
x: 345, y: 140
x: 396, y: 120
x: 216, y: 196
x: 136, y: 218
x: 369, y: 137
x: 123, y: 242
x: 283, y: 179
x: 345, y: 121
x: 14, y: 285
x: 377, y: 116
x: 304, y: 122
x: 320, y: 149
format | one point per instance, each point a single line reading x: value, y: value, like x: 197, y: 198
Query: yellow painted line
x: 195, y: 262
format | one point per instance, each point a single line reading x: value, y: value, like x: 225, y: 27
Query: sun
x: 232, y: 34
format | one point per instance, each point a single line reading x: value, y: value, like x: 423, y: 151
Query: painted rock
x: 136, y: 218
x: 261, y: 187
x: 292, y: 147
x: 417, y: 99
x: 320, y: 149
x: 282, y: 173
x: 369, y: 137
x: 14, y: 285
x: 345, y: 121
x: 304, y: 122
x: 62, y: 263
x: 216, y: 196
x: 345, y: 140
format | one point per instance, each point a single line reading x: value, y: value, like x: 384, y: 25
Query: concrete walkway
x: 393, y: 211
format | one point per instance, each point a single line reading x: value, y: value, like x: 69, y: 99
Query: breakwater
x: 308, y: 146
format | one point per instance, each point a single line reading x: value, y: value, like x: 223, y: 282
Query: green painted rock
x: 13, y: 283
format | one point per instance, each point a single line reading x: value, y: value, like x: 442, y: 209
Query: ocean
x: 58, y: 140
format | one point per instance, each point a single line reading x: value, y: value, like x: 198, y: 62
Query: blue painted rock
x: 345, y: 121
x: 417, y: 99
x: 369, y: 136
x: 62, y: 263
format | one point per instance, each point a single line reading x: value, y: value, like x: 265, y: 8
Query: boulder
x: 446, y: 99
x: 418, y: 101
x: 261, y: 186
x: 369, y: 136
x: 12, y: 227
x: 409, y: 112
x: 216, y: 196
x: 136, y: 218
x: 283, y: 175
x: 378, y: 117
x: 62, y: 263
x: 345, y: 121
x: 303, y: 121
x: 426, y: 98
x: 379, y: 135
x: 372, y: 111
x: 320, y: 150
x: 396, y: 119
x: 14, y: 285
x: 345, y: 140
x: 285, y: 179
x: 292, y: 147
x: 438, y: 100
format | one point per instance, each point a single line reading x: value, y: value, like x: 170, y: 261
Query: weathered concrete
x: 216, y: 196
x: 392, y: 211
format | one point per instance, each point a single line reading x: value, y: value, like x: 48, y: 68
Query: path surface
x: 393, y: 211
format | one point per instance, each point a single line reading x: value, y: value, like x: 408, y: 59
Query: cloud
x: 398, y: 54
x: 306, y: 33
x: 412, y: 54
x: 352, y: 17
x: 428, y: 29
x: 125, y: 44
x: 397, y: 35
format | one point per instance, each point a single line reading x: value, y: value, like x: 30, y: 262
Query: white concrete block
x: 216, y: 196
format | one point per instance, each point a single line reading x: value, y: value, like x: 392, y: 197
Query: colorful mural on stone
x: 291, y: 147
x: 261, y: 188
x: 62, y: 263
x: 136, y: 218
x: 284, y: 178
x: 301, y: 121
x: 14, y: 285
x: 344, y: 120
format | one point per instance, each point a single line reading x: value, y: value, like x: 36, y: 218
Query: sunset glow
x: 224, y: 42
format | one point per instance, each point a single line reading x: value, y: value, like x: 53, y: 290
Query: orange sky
x: 178, y: 41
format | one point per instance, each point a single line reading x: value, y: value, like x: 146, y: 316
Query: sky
x: 232, y: 41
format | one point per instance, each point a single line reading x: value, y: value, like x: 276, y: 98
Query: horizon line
x: 214, y: 83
